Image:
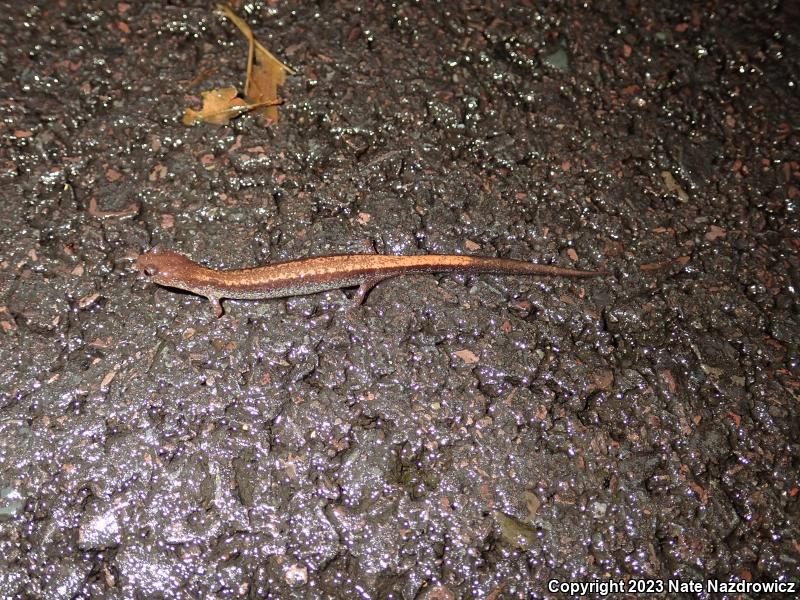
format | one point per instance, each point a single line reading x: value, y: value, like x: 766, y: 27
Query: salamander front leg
x: 215, y: 304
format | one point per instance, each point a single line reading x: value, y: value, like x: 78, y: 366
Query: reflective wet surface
x: 454, y: 437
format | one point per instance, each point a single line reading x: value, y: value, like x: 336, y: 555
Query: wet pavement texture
x: 456, y: 436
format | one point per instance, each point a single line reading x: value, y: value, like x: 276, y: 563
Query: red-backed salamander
x: 320, y: 273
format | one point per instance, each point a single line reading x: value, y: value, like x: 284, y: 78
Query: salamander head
x: 165, y: 267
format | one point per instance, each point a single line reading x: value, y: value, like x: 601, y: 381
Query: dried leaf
x: 219, y: 107
x: 265, y: 73
x: 129, y: 211
x: 673, y: 186
x: 267, y: 76
x: 468, y: 356
x: 515, y: 532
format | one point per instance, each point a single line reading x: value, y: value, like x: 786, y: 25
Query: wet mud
x: 455, y: 436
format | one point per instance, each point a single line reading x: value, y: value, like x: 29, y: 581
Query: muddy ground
x: 455, y: 437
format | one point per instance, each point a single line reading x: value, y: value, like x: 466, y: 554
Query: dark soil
x: 455, y: 437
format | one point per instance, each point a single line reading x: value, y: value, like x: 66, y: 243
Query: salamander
x: 320, y: 273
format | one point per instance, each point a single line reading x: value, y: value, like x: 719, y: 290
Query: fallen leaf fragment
x: 467, y: 356
x: 514, y: 531
x: 737, y: 420
x: 265, y: 73
x: 673, y: 186
x: 129, y: 211
x: 266, y: 77
x: 87, y: 300
x: 700, y: 491
x: 649, y: 267
x: 572, y: 254
x: 219, y: 106
x: 109, y: 377
x: 471, y: 246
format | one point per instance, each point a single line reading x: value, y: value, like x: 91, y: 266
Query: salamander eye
x: 150, y: 271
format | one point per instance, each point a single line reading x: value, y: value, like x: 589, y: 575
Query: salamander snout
x: 163, y: 266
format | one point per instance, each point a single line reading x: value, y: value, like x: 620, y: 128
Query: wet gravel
x: 455, y: 437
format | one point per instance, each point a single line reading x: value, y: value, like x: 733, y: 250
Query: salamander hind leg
x: 365, y: 288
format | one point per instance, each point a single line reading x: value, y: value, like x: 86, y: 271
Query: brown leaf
x: 700, y: 491
x: 673, y: 186
x: 681, y: 260
x: 129, y: 211
x: 467, y: 356
x: 267, y: 76
x: 573, y: 256
x: 265, y: 73
x: 109, y: 377
x: 219, y: 107
x: 737, y: 420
